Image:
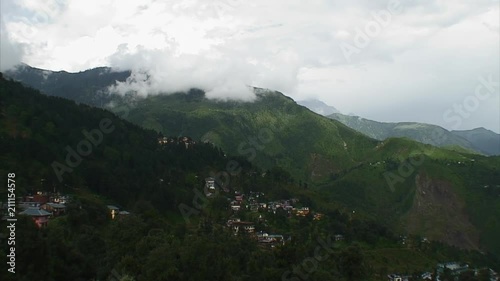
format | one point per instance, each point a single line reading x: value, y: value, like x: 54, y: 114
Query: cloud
x: 162, y: 71
x: 430, y: 53
x: 10, y: 51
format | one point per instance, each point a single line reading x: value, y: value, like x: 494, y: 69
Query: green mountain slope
x: 69, y: 145
x: 424, y: 133
x: 345, y: 166
x: 484, y: 140
x: 273, y: 130
x: 88, y: 87
x: 424, y: 190
x: 151, y: 243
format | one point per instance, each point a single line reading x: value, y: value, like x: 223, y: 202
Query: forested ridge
x: 129, y: 168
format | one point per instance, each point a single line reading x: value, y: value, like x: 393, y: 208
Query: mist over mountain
x: 341, y: 163
x: 89, y: 87
x: 318, y: 106
x: 206, y: 140
x: 474, y: 141
x: 105, y: 87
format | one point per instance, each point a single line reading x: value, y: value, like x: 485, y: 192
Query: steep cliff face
x: 439, y: 214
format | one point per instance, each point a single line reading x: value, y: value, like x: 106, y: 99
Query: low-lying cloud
x: 427, y: 56
x: 157, y: 72
x: 10, y: 52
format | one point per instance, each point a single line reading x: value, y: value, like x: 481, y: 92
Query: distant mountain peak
x: 485, y: 140
x: 318, y: 107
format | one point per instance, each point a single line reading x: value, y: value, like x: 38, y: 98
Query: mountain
x: 271, y: 131
x: 318, y: 106
x: 127, y: 166
x: 419, y: 188
x: 424, y: 133
x: 410, y: 187
x: 484, y: 140
x: 88, y: 87
x: 67, y: 145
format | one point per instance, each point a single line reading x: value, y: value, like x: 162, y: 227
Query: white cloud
x: 10, y: 53
x: 427, y: 57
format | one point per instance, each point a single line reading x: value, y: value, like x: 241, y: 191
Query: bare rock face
x: 439, y: 214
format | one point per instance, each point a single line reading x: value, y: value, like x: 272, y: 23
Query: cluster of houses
x: 41, y: 207
x: 455, y: 269
x: 187, y: 141
x: 44, y: 206
x: 264, y: 239
x: 255, y: 202
x: 397, y: 277
x: 270, y: 240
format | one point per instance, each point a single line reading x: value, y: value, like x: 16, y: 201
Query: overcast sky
x: 386, y: 60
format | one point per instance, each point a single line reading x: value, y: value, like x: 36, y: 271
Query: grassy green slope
x: 274, y: 130
x: 350, y: 167
x: 419, y: 189
x: 425, y: 133
x: 36, y: 131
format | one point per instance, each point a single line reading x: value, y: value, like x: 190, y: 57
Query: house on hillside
x: 122, y: 214
x: 394, y: 277
x: 426, y: 276
x: 302, y: 212
x: 270, y: 240
x: 113, y: 210
x: 254, y: 207
x: 55, y: 208
x: 40, y: 198
x: 188, y: 142
x: 23, y: 205
x: 455, y: 267
x: 237, y: 225
x: 210, y: 184
x: 39, y: 216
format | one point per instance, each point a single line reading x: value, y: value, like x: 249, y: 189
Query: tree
x: 483, y: 275
x: 467, y: 276
x: 352, y: 263
x: 447, y: 275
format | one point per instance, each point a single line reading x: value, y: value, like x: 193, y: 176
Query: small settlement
x: 44, y: 206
